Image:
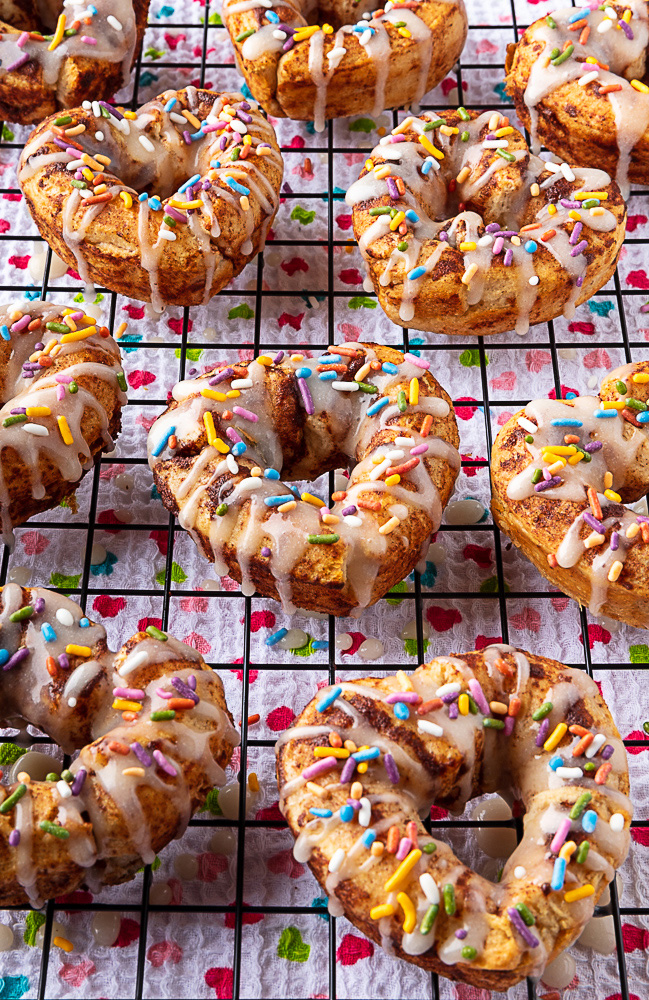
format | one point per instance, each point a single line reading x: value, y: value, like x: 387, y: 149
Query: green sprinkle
x: 506, y: 156
x: 429, y: 919
x: 323, y: 539
x: 18, y: 418
x: 67, y: 776
x: 105, y: 113
x: 235, y: 154
x: 621, y: 388
x: 469, y: 952
x: 636, y: 404
x: 402, y: 402
x: 54, y: 829
x: 550, y: 20
x: 589, y: 766
x: 156, y: 633
x: 393, y: 213
x: 121, y: 381
x: 473, y: 706
x: 555, y: 53
x: 582, y: 852
x: 580, y: 805
x: 57, y: 327
x: 22, y: 613
x: 367, y: 387
x: 380, y: 211
x: 11, y: 800
x: 168, y: 219
x: 526, y: 914
x: 52, y: 776
x: 402, y: 246
x: 448, y: 895
x: 79, y: 184
x: 590, y: 203
x: 499, y: 874
x: 541, y: 712
x: 464, y: 137
x: 564, y: 56
x: 399, y: 24
x: 434, y: 124
x: 645, y: 726
x: 65, y: 120
x: 429, y: 848
x: 529, y: 438
x: 69, y: 32
x: 73, y: 387
x: 464, y: 114
x: 245, y: 34
x: 493, y: 724
x: 163, y: 715
x: 222, y: 509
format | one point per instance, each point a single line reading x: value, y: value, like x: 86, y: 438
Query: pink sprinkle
x: 478, y: 696
x: 419, y: 449
x: 418, y: 362
x: 407, y: 697
x: 77, y: 315
x: 396, y: 138
x: 23, y: 38
x: 320, y: 766
x: 161, y: 693
x: 60, y: 392
x: 164, y: 764
x: 560, y: 836
x: 405, y: 845
x: 498, y: 245
x: 246, y: 414
x: 64, y: 378
x: 88, y: 40
x: 21, y: 323
x: 323, y: 510
x: 135, y: 694
x: 232, y: 434
x: 510, y: 722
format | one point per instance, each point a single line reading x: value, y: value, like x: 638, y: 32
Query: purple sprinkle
x: 391, y: 768
x: 354, y: 803
x: 450, y: 697
x: 509, y: 256
x: 39, y: 346
x: 626, y: 29
x: 403, y: 849
x: 393, y: 190
x: 161, y: 693
x: 570, y: 204
x: 79, y: 779
x: 114, y: 112
x: 164, y: 764
x: 18, y: 63
x: 348, y: 510
x: 461, y: 934
x: 510, y: 722
x: 325, y: 764
x: 576, y: 233
x: 17, y: 658
x: 14, y: 838
x: 554, y: 481
x: 175, y: 214
x: 184, y: 690
x: 506, y: 233
x: 530, y: 939
x: 580, y: 280
x: 206, y: 185
x: 348, y: 769
x: 244, y: 117
x: 592, y: 522
x: 493, y: 227
x: 288, y: 44
x: 615, y: 541
x: 478, y: 696
x: 64, y: 662
x: 607, y: 752
x: 579, y: 249
x: 222, y: 375
x: 408, y: 697
x: 188, y: 141
x: 141, y: 754
x: 278, y: 357
x: 593, y: 446
x: 66, y: 379
x: 542, y: 734
x: 18, y: 409
x: 642, y: 520
x: 443, y: 236
x: 191, y: 682
x: 306, y: 396
x: 39, y: 605
x: 223, y: 141
x: 453, y: 711
x: 28, y: 374
x: 265, y: 551
x: 244, y: 106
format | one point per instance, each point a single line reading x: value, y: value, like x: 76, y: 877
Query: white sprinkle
x: 353, y: 521
x: 178, y: 119
x: 380, y: 469
x: 65, y: 617
x: 520, y: 872
x: 610, y: 13
x: 72, y: 702
x: 395, y: 454
x: 239, y: 127
x: 567, y: 172
x: 133, y: 661
x: 598, y: 742
x: 405, y: 442
x: 114, y: 23
x: 616, y: 822
x: 429, y: 888
x: 604, y: 26
x: 495, y: 143
x: 86, y: 105
x: 37, y: 430
x: 241, y: 383
x: 486, y: 240
x: 452, y: 688
x: 146, y: 142
x: 588, y: 78
x: 253, y: 483
x: 99, y: 136
x: 527, y: 425
x: 280, y: 35
x: 166, y: 234
x: 63, y: 789
x: 96, y: 110
x: 337, y: 859
x: 231, y: 464
x: 568, y: 773
x: 74, y: 165
x: 554, y: 168
x: 534, y: 280
x: 124, y: 126
x: 365, y: 812
x: 430, y: 727
x: 345, y: 386
x: 365, y: 37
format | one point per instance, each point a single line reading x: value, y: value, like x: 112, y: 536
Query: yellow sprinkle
x: 608, y: 480
x: 214, y: 394
x: 568, y: 850
x: 131, y: 115
x: 535, y: 190
x: 615, y: 570
x: 560, y: 449
x: 552, y: 209
x: 403, y: 126
x: 584, y: 195
x: 403, y: 870
x: 244, y: 202
x: 404, y: 681
x: 389, y: 526
x: 329, y: 519
x: 121, y: 330
x: 69, y: 338
x: 555, y: 738
x: 315, y: 501
x: 135, y: 772
x: 297, y: 357
x: 327, y: 29
x: 575, y: 216
x: 369, y: 164
x: 255, y: 471
x: 338, y: 752
x: 65, y: 430
x: 612, y: 495
x: 398, y: 219
x: 428, y: 146
x: 38, y: 411
x: 263, y: 359
x: 463, y: 703
x: 126, y: 198
x: 232, y: 393
x: 393, y: 480
x: 449, y: 130
x: 557, y: 466
x: 208, y: 421
x: 466, y: 247
x: 306, y: 32
x: 377, y: 459
x: 197, y: 203
x: 319, y: 790
x: 581, y: 893
x: 591, y: 59
x: 381, y: 171
x: 377, y: 848
x: 404, y: 33
x: 103, y: 159
x: 613, y: 404
x: 640, y: 377
x: 414, y: 391
x: 75, y: 129
x: 516, y: 240
x: 58, y: 34
x: 356, y: 790
x: 362, y: 372
x: 627, y: 15
x: 385, y: 910
x: 74, y: 650
x: 507, y: 130
x: 192, y: 119
x: 593, y: 540
x: 576, y: 459
x: 87, y: 173
x: 632, y: 530
x: 63, y: 943
x: 124, y: 705
x: 463, y: 174
x: 596, y: 211
x: 289, y: 505
x: 469, y: 273
x: 253, y: 782
x: 409, y: 914
x: 101, y: 188
x: 363, y: 766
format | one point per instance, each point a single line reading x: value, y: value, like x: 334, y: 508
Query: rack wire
x: 500, y: 599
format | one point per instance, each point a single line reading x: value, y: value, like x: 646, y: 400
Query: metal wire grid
x: 501, y: 596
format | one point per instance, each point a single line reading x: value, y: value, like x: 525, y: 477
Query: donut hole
x: 335, y: 12
x: 28, y: 16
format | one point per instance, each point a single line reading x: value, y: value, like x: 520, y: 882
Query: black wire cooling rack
x: 501, y: 597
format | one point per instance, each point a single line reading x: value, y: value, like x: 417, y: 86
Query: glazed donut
x: 561, y: 472
x: 464, y: 232
x: 54, y: 57
x: 362, y: 63
x: 62, y: 389
x: 217, y: 461
x: 494, y: 720
x: 154, y: 733
x: 591, y: 105
x: 216, y: 191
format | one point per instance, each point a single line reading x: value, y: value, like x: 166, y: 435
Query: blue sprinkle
x: 241, y: 188
x: 189, y: 183
x: 417, y: 272
x: 388, y: 367
x: 155, y: 204
x: 347, y: 813
x: 578, y: 15
x: 559, y: 874
x: 329, y: 698
x: 303, y: 373
x: 276, y: 636
x: 162, y: 444
x: 571, y: 395
x: 92, y: 9
x: 239, y: 448
x: 330, y: 359
x: 143, y: 196
x: 368, y: 754
x: 375, y: 407
x: 412, y: 216
x: 48, y: 632
x: 567, y: 422
x: 272, y: 16
x: 605, y: 414
x: 271, y: 474
x: 427, y: 166
x: 531, y: 246
x: 4, y: 331
x: 328, y: 376
x: 321, y: 813
x: 589, y: 821
x: 643, y: 418
x: 84, y: 623
x: 320, y: 644
x: 368, y: 838
x: 555, y: 763
x: 401, y: 711
x: 277, y: 501
x: 215, y: 164
x: 169, y: 105
x: 4, y: 656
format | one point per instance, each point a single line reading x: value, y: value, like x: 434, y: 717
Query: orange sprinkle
x: 118, y: 747
x: 375, y: 366
x: 180, y: 704
x: 347, y: 352
x: 610, y: 88
x: 566, y: 45
x: 50, y: 664
x: 603, y: 773
x: 644, y: 528
x: 252, y: 719
x: 226, y: 415
x: 583, y: 745
x: 369, y: 504
x: 549, y: 234
x: 583, y: 38
x: 429, y: 706
x: 35, y: 323
x: 393, y: 839
x: 532, y: 225
x: 173, y: 442
x: 411, y: 832
x: 339, y: 495
x: 504, y: 667
x: 578, y: 25
x: 401, y: 187
x: 593, y: 500
x: 578, y: 730
x: 335, y: 740
x: 129, y: 716
x: 514, y: 707
x: 426, y: 426
x: 552, y: 560
x: 571, y: 439
x: 340, y: 369
x: 45, y: 362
